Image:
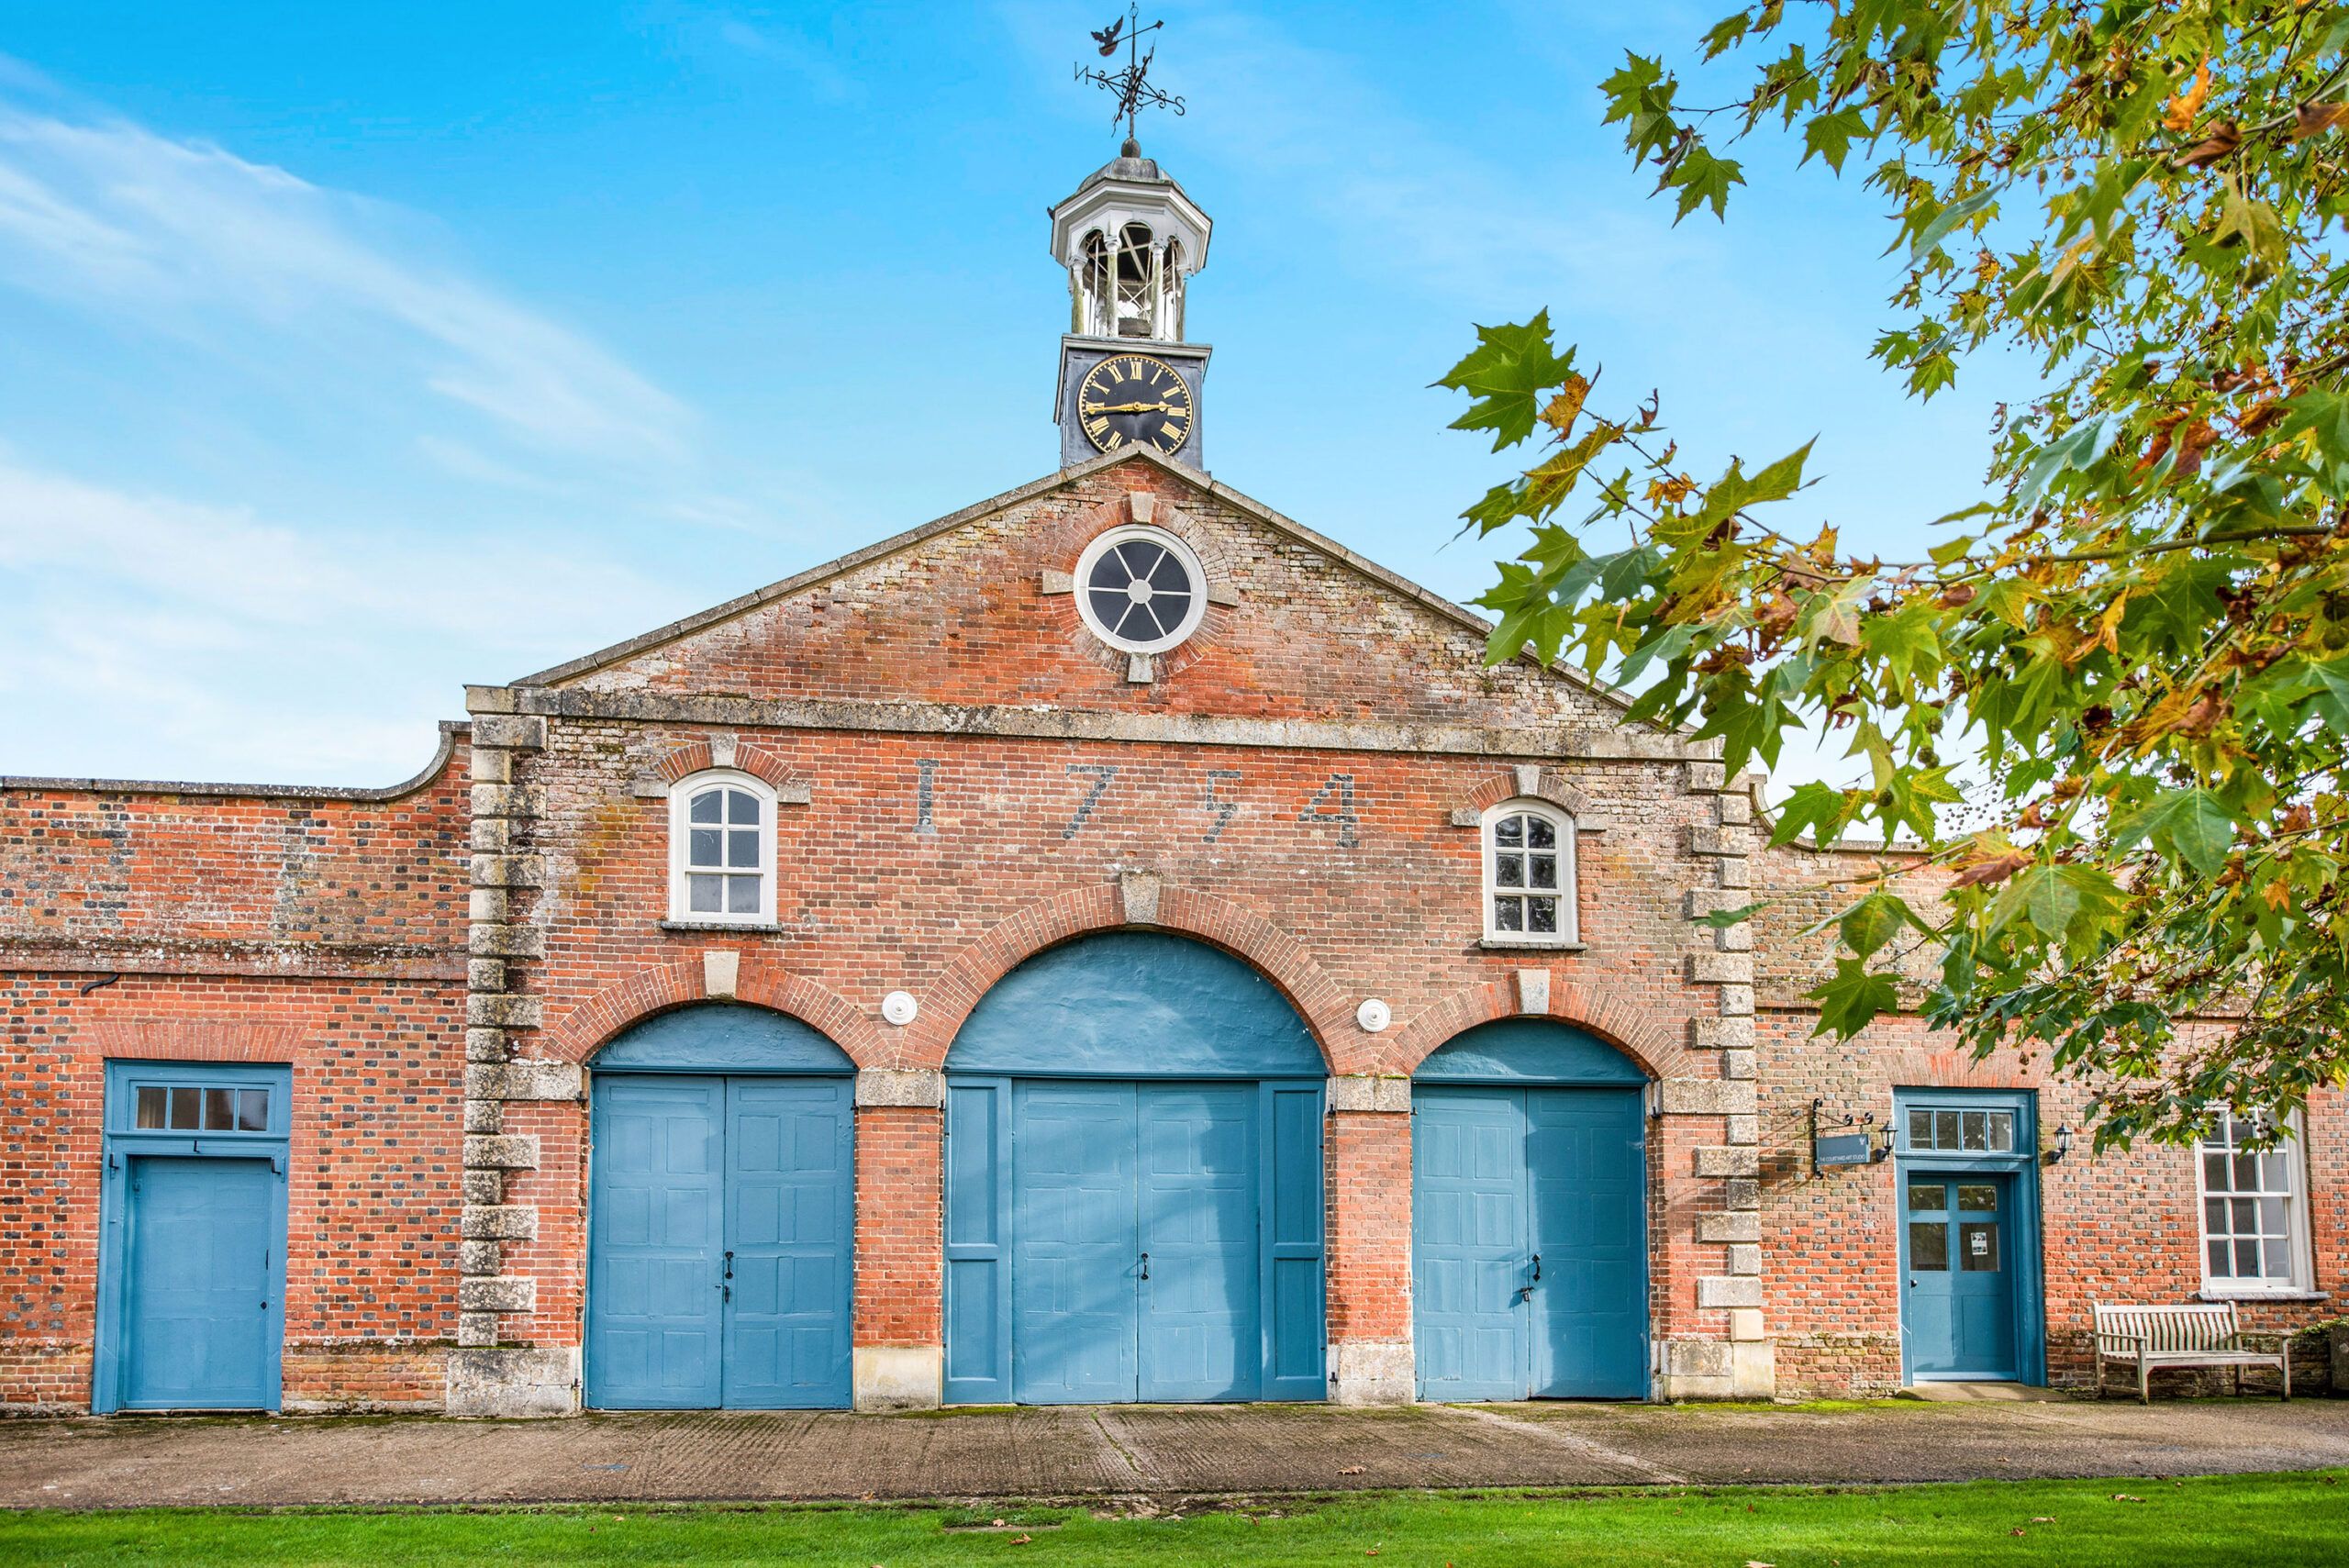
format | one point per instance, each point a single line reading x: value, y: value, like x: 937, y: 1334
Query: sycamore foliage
x: 2143, y: 641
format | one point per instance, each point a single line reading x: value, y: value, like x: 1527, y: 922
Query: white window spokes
x: 2250, y: 1209
x: 1529, y: 875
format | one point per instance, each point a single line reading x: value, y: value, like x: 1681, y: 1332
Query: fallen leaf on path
x: 1350, y: 1470
x: 2043, y: 1518
x: 2126, y: 1497
x: 1022, y: 1540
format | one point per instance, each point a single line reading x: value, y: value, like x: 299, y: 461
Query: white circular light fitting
x: 899, y: 1007
x: 1374, y: 1015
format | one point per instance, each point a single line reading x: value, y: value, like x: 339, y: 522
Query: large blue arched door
x: 1529, y: 1213
x: 721, y: 1215
x: 1133, y: 1183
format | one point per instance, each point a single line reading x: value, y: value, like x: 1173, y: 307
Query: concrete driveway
x: 1162, y: 1451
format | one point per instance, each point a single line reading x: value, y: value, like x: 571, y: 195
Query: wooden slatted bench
x: 2206, y: 1334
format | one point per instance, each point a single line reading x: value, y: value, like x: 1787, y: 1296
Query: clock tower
x: 1130, y: 239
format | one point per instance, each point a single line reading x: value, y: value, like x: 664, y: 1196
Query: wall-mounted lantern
x: 2063, y: 1146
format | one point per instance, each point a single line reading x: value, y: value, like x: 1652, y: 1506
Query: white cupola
x: 1128, y: 239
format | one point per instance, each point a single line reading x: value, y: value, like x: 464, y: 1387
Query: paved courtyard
x: 1163, y: 1450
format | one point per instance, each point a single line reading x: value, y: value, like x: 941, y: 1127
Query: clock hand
x: 1128, y: 409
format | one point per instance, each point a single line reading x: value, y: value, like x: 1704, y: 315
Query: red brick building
x: 1109, y: 942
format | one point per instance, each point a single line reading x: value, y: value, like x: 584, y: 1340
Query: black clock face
x: 1134, y: 399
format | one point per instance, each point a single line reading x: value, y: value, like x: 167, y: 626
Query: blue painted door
x: 1530, y: 1244
x: 1585, y: 1175
x: 720, y: 1221
x: 1077, y: 1251
x: 1139, y: 1245
x: 1470, y: 1251
x: 1957, y: 1290
x: 1200, y: 1296
x: 790, y: 1225
x: 205, y: 1266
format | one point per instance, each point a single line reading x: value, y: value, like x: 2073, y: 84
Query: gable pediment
x: 978, y: 609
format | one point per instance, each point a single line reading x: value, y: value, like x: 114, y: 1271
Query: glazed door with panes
x: 1958, y: 1298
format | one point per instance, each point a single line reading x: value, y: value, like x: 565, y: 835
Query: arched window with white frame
x: 721, y: 849
x: 1530, y: 874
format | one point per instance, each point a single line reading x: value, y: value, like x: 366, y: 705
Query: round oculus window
x: 1141, y: 590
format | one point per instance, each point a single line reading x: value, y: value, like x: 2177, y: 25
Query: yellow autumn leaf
x: 2179, y: 115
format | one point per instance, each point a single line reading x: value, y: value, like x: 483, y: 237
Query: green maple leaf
x: 1848, y: 1003
x: 2189, y: 825
x: 1505, y: 376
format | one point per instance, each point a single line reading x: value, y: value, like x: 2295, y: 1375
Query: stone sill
x: 2283, y: 1297
x: 1528, y: 944
x: 726, y: 927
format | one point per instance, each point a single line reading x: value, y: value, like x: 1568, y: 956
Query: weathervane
x: 1131, y: 84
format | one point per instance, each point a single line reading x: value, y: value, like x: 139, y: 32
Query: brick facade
x: 965, y: 776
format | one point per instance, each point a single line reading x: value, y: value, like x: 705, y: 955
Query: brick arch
x: 1184, y: 911
x: 1062, y: 544
x: 1618, y: 1022
x: 696, y: 756
x: 663, y: 987
x: 1547, y: 785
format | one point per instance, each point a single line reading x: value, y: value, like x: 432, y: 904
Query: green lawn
x: 2266, y: 1521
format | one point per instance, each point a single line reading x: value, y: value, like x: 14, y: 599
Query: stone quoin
x: 1109, y: 943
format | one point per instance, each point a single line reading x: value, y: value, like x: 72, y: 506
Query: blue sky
x: 352, y: 353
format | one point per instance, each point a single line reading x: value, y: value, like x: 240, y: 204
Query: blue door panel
x: 204, y: 1264
x: 1107, y: 1241
x: 1297, y: 1359
x: 789, y: 1230
x: 721, y: 1213
x: 1077, y: 1244
x: 655, y: 1319
x: 1529, y: 1242
x: 1202, y: 1296
x: 1586, y: 1167
x: 1958, y: 1297
x: 1469, y: 1254
x: 978, y: 1297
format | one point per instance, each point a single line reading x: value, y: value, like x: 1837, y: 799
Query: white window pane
x: 2247, y: 1259
x: 1545, y: 871
x: 1507, y: 914
x: 1541, y: 832
x: 703, y: 894
x: 2002, y: 1131
x: 741, y: 808
x: 2242, y: 1222
x: 707, y: 805
x: 742, y: 894
x: 187, y: 1110
x: 2271, y: 1216
x: 2279, y: 1262
x: 2219, y: 1257
x: 2214, y: 1216
x: 703, y: 846
x: 1542, y: 916
x: 2276, y: 1172
x: 1509, y: 871
x: 1510, y: 831
x: 1920, y: 1128
x: 1944, y: 1130
x: 2246, y: 1173
x: 253, y: 1110
x: 151, y: 1106
x: 743, y: 848
x: 2214, y: 1172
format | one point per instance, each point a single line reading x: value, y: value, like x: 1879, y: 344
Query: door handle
x: 1145, y: 1266
x: 730, y: 1265
x: 1537, y: 1268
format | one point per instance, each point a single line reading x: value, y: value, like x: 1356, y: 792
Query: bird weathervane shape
x: 1131, y: 84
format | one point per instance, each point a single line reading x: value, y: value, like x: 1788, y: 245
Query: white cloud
x: 206, y: 634
x: 190, y: 239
